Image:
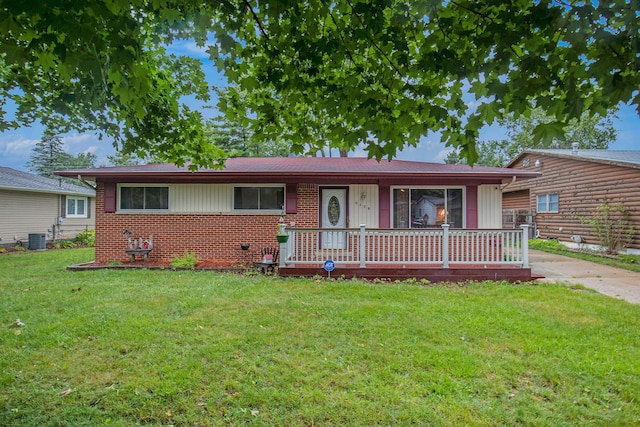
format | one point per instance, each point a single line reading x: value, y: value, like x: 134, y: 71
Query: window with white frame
x: 133, y: 197
x: 258, y: 198
x: 427, y: 207
x: 548, y: 202
x: 76, y: 207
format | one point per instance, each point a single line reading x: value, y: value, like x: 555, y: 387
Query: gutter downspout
x: 513, y: 179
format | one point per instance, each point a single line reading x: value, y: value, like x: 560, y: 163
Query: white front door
x: 334, y: 215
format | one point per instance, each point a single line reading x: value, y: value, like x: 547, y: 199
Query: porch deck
x: 437, y: 255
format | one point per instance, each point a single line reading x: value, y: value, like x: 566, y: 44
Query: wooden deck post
x: 363, y: 249
x: 525, y: 245
x: 445, y: 245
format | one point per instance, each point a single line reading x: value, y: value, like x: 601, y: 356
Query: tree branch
x: 375, y: 45
x: 255, y: 18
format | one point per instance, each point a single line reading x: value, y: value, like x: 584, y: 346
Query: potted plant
x: 282, y: 235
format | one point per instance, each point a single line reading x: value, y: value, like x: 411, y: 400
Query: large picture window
x: 144, y: 198
x: 427, y: 207
x: 76, y: 207
x: 548, y: 202
x: 258, y: 198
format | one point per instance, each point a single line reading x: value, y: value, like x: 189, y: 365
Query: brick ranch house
x: 572, y: 184
x: 365, y: 215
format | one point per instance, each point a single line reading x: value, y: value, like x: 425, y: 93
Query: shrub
x: 64, y: 244
x: 188, y: 260
x: 3, y: 251
x: 87, y: 237
x: 19, y: 248
x: 611, y: 226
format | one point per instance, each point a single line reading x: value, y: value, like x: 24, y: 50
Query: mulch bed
x: 210, y: 265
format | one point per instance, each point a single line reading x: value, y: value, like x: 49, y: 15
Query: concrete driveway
x: 611, y: 281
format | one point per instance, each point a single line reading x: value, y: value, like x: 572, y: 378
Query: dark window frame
x: 147, y: 200
x: 272, y: 206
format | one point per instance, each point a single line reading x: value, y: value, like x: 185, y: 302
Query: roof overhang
x: 281, y: 170
x: 44, y: 191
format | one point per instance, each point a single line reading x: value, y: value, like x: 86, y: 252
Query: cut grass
x: 627, y: 262
x: 196, y: 348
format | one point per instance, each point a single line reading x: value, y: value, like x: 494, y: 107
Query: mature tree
x: 81, y: 161
x: 127, y: 159
x: 490, y: 153
x: 123, y: 159
x: 589, y: 132
x: 238, y: 141
x: 382, y: 73
x: 48, y: 155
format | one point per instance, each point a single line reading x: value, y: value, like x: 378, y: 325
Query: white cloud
x: 442, y: 154
x: 89, y: 143
x: 78, y: 143
x: 189, y: 48
x: 17, y: 145
x: 15, y: 150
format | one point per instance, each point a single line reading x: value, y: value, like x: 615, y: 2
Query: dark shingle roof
x: 12, y: 179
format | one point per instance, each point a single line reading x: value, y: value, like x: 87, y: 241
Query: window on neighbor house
x: 76, y: 207
x: 258, y: 198
x: 144, y: 198
x: 548, y: 202
x: 427, y: 207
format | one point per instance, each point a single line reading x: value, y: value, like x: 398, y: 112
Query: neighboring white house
x: 36, y: 205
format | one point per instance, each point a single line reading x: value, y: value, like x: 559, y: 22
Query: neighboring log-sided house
x: 572, y: 185
x: 36, y: 205
x: 360, y: 213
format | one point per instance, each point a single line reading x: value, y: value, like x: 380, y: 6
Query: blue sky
x: 16, y: 145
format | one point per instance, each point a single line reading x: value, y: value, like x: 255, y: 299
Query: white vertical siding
x: 201, y: 198
x: 489, y: 206
x: 363, y: 205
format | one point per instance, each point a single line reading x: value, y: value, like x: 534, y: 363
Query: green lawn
x: 185, y: 348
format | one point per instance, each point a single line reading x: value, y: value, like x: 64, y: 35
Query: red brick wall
x: 211, y: 236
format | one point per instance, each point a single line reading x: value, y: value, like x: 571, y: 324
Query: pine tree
x: 48, y: 156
